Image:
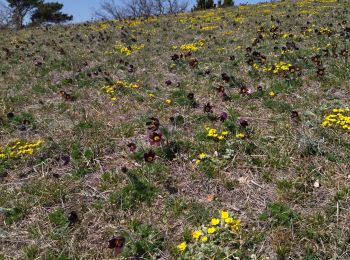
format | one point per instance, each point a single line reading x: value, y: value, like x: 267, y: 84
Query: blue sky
x: 82, y: 9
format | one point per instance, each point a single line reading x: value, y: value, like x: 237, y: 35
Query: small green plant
x: 310, y: 254
x: 24, y: 117
x: 282, y: 252
x: 198, y: 212
x: 58, y: 218
x: 133, y: 194
x: 342, y: 194
x: 281, y: 214
x: 31, y: 252
x: 278, y: 106
x: 14, y: 215
x: 143, y: 241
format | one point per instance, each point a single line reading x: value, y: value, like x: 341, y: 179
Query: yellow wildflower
x: 212, y: 132
x: 204, y: 239
x: 240, y: 136
x: 211, y: 230
x: 215, y: 221
x: 236, y: 224
x: 229, y: 220
x: 224, y: 215
x: 182, y: 246
x: 196, y: 234
x: 202, y: 156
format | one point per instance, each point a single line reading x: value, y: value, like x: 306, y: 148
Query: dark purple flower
x: 10, y: 115
x: 245, y: 90
x: 168, y: 82
x: 132, y: 147
x: 190, y: 96
x: 153, y: 124
x: 344, y: 53
x: 73, y: 218
x: 321, y: 72
x: 117, y: 243
x: 208, y: 108
x: 149, y: 156
x: 175, y: 57
x: 250, y: 61
x: 66, y: 159
x: 193, y: 63
x: 225, y: 77
x: 243, y: 122
x: 294, y: 116
x: 223, y: 116
x: 131, y: 68
x: 220, y: 89
x: 155, y: 138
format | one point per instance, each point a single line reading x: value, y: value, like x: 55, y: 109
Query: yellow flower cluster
x: 240, y: 136
x: 112, y: 89
x: 325, y: 30
x: 338, y: 118
x: 277, y: 67
x: 127, y: 50
x: 216, y: 225
x: 128, y: 23
x: 101, y: 26
x: 133, y: 23
x: 209, y: 28
x: 18, y: 148
x: 239, y: 19
x: 201, y: 157
x: 213, y: 133
x: 308, y: 12
x: 280, y: 67
x: 191, y: 46
x: 204, y: 17
x: 287, y: 51
x: 220, y: 49
x: 306, y: 2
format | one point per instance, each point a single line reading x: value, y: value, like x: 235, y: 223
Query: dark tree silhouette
x: 228, y: 3
x: 204, y: 4
x: 20, y: 8
x: 50, y: 13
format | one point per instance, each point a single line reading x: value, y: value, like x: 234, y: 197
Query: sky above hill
x: 82, y: 10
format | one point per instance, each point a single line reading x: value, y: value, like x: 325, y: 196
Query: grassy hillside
x: 155, y: 129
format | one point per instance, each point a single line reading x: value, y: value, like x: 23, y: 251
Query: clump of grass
x: 138, y: 191
x: 279, y: 214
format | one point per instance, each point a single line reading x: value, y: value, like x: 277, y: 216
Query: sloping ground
x: 149, y: 128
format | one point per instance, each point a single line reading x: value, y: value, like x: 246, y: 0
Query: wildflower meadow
x: 216, y: 134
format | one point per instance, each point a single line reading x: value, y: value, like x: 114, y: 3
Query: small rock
x: 317, y: 184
